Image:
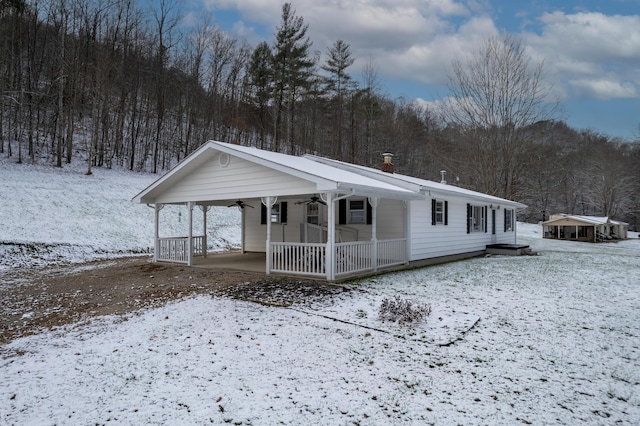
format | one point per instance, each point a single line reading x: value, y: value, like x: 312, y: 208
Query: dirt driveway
x: 37, y: 300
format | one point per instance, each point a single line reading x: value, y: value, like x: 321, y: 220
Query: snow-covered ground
x: 51, y: 215
x: 548, y: 339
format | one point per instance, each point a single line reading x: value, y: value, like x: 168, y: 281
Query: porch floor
x: 236, y: 261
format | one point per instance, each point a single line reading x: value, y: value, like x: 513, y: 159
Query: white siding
x: 429, y: 241
x: 241, y: 179
x: 390, y: 215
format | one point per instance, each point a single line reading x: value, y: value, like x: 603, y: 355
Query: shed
x: 327, y: 219
x: 584, y: 228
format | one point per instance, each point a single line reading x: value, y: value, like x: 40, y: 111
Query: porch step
x: 508, y: 249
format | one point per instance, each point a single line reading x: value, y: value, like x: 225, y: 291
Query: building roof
x: 588, y: 220
x: 426, y: 187
x: 325, y: 177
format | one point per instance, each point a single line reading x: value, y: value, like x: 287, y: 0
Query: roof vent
x: 387, y: 165
x: 443, y: 174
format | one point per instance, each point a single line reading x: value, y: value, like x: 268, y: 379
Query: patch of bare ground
x: 42, y: 299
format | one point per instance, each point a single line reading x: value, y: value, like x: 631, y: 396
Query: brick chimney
x: 387, y: 165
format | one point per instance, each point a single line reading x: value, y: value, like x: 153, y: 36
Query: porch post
x: 374, y: 232
x: 268, y: 203
x: 190, y: 239
x: 205, y: 209
x: 156, y: 224
x: 331, y: 236
x: 242, y: 250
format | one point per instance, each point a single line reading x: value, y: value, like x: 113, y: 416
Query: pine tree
x: 293, y: 69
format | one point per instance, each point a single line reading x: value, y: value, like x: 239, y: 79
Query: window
x: 354, y: 211
x: 357, y: 212
x: 476, y: 218
x: 278, y: 213
x: 275, y: 213
x: 439, y: 212
x: 313, y: 213
x: 508, y: 220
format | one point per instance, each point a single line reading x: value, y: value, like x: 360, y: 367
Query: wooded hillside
x: 117, y: 85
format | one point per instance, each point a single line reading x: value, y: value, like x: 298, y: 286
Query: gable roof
x: 423, y: 186
x: 589, y: 220
x: 325, y: 177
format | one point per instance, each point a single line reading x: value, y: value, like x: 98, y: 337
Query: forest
x: 113, y: 84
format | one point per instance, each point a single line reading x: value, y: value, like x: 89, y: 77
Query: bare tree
x: 494, y: 97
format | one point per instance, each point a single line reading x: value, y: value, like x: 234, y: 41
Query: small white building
x: 328, y: 219
x: 583, y: 228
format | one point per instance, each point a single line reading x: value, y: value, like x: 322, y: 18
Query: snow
x: 58, y: 215
x: 547, y: 339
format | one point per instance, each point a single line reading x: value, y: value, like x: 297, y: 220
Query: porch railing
x: 174, y: 249
x: 392, y: 252
x: 350, y: 258
x: 353, y: 257
x: 299, y: 258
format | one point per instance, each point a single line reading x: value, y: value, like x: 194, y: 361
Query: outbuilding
x: 584, y: 228
x: 327, y: 219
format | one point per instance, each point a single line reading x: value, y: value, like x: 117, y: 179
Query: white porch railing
x: 392, y: 252
x: 298, y: 258
x: 174, y: 249
x: 199, y: 245
x: 353, y: 257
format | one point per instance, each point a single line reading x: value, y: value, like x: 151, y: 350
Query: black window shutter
x: 433, y: 211
x: 369, y: 214
x: 283, y: 212
x: 342, y: 212
x: 485, y: 218
x: 446, y: 212
x: 505, y: 220
x: 263, y: 214
x: 468, y: 218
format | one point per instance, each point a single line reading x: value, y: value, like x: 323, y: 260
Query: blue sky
x: 590, y: 48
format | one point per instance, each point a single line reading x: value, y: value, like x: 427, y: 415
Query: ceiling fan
x: 313, y: 200
x: 241, y: 204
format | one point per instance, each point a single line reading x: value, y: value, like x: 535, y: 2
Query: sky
x: 590, y: 48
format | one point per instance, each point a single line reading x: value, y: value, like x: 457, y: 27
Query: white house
x: 328, y: 219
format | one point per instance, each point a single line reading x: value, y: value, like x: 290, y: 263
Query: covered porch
x: 297, y: 237
x: 306, y: 217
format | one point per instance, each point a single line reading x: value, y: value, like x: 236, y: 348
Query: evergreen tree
x: 261, y: 78
x: 293, y: 69
x: 338, y: 84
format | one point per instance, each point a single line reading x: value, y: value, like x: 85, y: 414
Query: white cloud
x: 590, y: 54
x: 586, y: 53
x: 605, y: 89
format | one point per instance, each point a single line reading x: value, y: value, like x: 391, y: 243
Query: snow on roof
x: 425, y: 186
x: 326, y: 177
x: 592, y: 220
x: 343, y: 179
